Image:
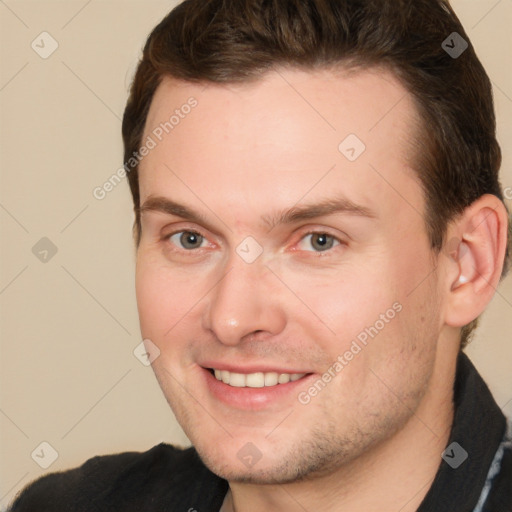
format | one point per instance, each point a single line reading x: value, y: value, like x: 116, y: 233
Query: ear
x: 475, y: 247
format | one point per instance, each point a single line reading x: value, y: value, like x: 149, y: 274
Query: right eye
x: 188, y: 240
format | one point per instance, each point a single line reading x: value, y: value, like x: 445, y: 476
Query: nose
x: 246, y: 301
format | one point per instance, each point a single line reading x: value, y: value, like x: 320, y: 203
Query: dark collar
x: 478, y: 428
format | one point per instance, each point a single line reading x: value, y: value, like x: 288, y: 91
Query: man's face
x: 289, y: 253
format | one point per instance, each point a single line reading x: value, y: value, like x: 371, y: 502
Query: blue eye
x: 319, y: 242
x: 188, y: 240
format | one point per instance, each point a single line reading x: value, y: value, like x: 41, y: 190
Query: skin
x: 371, y: 439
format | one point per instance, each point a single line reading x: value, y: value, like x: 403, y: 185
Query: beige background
x: 69, y: 325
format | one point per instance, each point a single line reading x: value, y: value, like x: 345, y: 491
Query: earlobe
x: 478, y: 243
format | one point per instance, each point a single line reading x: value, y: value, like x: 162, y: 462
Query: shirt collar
x: 478, y: 428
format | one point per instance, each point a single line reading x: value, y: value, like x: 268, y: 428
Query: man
x: 319, y: 223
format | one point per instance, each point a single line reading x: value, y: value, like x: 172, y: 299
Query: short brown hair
x: 230, y: 41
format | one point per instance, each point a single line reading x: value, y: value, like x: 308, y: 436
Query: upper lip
x: 254, y: 368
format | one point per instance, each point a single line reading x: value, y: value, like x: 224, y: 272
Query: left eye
x: 188, y: 240
x: 318, y: 242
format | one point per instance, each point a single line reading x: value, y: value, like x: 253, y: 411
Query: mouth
x: 254, y: 390
x: 256, y: 379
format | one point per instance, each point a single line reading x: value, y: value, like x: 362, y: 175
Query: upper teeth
x: 255, y: 380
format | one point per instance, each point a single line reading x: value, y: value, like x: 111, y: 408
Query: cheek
x: 164, y: 297
x: 375, y: 300
x: 340, y: 303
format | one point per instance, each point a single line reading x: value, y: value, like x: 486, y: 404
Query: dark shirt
x: 170, y: 479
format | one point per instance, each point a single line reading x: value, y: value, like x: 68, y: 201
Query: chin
x: 260, y: 474
x: 277, y: 464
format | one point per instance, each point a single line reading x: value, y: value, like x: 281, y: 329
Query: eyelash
x: 338, y: 241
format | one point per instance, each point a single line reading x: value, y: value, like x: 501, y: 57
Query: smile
x: 255, y: 380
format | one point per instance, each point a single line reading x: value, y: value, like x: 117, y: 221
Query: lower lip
x: 254, y: 398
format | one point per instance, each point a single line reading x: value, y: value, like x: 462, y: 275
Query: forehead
x: 344, y: 90
x: 292, y: 133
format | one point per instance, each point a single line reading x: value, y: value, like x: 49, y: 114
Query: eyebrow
x: 169, y: 207
x: 320, y: 209
x: 289, y: 216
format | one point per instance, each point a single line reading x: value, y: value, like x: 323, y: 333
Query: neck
x: 395, y: 475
